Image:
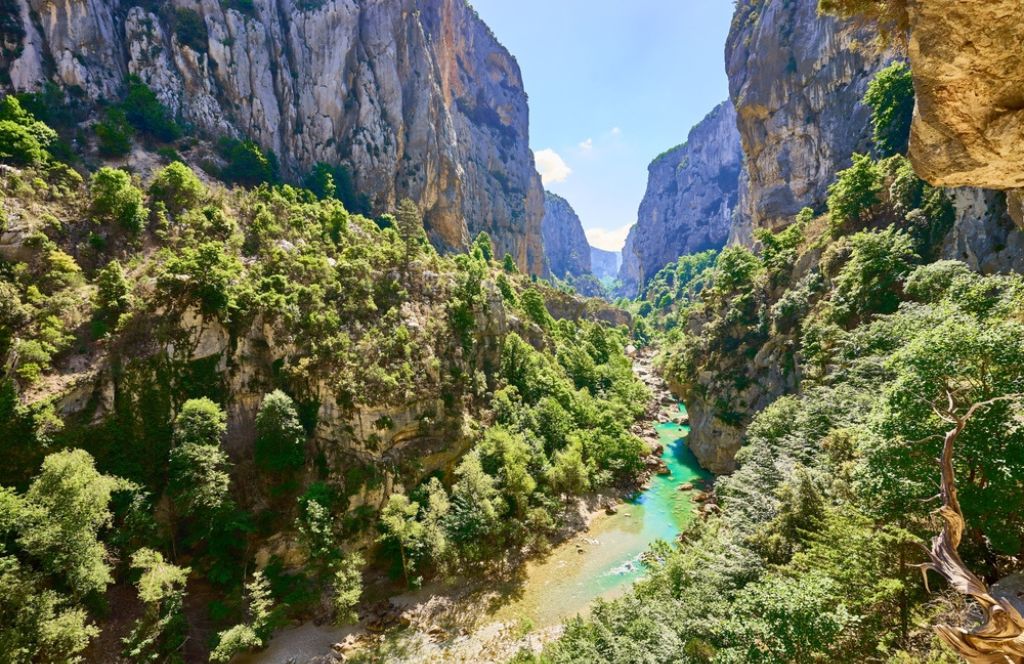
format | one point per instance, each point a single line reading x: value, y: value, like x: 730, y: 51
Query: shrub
x: 115, y: 199
x: 280, y: 438
x: 533, y: 305
x: 114, y: 133
x: 190, y: 29
x: 145, y: 112
x: 248, y: 165
x: 891, y: 98
x: 23, y: 139
x: 854, y: 193
x: 177, y: 187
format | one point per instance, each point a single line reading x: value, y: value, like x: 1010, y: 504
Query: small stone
x: 686, y: 486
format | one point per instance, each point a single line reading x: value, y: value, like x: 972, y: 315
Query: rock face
x: 692, y: 192
x: 565, y: 243
x: 417, y: 97
x: 969, y: 78
x: 605, y: 264
x: 796, y: 80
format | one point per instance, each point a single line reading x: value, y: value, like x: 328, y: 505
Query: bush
x: 854, y: 193
x: 328, y: 181
x: 891, y: 98
x: 280, y: 438
x: 190, y: 29
x: 248, y: 165
x: 177, y: 187
x: 115, y: 199
x: 23, y: 139
x: 114, y: 133
x: 145, y: 112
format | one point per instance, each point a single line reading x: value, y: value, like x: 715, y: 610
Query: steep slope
x: 605, y: 264
x: 565, y: 243
x: 416, y: 97
x: 797, y: 80
x: 692, y: 191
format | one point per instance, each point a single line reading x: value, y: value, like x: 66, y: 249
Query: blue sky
x: 612, y: 84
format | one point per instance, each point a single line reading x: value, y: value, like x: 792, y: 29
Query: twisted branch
x: 1000, y: 638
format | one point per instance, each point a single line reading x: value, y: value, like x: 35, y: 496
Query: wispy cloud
x: 587, y: 145
x: 551, y: 166
x: 616, y: 131
x: 609, y: 240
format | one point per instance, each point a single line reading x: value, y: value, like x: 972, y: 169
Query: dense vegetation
x: 237, y: 393
x: 863, y: 345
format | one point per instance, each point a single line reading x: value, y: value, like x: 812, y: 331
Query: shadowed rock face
x: 565, y: 243
x: 968, y: 69
x: 692, y: 192
x: 797, y: 80
x: 604, y: 263
x: 417, y: 97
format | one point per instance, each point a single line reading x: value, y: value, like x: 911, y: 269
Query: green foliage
x: 190, y: 29
x: 253, y: 633
x: 23, y: 139
x: 508, y: 264
x: 870, y: 280
x: 115, y: 199
x: 177, y: 187
x: 207, y: 275
x: 399, y: 524
x: 328, y: 181
x: 160, y: 633
x: 348, y: 588
x: 890, y: 96
x: 280, y: 438
x: 113, y: 293
x: 536, y: 310
x: 142, y: 108
x: 484, y: 246
x: 114, y: 133
x: 248, y: 165
x: 198, y: 475
x: 854, y: 194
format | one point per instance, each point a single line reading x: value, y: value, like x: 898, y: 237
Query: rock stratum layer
x: 417, y: 97
x: 796, y: 80
x: 969, y: 78
x: 692, y: 192
x: 565, y: 243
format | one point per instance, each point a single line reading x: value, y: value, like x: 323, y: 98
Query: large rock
x: 968, y: 69
x: 692, y: 191
x: 565, y: 243
x: 417, y: 97
x: 797, y: 80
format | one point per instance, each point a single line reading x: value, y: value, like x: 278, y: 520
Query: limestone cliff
x: 796, y: 80
x: 417, y: 97
x: 968, y: 75
x: 692, y: 191
x: 605, y: 264
x: 565, y: 243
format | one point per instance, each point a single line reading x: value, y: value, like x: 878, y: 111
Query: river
x: 602, y: 562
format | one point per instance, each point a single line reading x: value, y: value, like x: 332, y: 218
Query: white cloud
x: 616, y: 131
x: 587, y: 145
x: 609, y: 240
x: 551, y: 166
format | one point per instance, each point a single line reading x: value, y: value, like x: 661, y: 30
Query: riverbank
x: 598, y: 557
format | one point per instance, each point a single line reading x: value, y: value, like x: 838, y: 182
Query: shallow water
x: 566, y: 582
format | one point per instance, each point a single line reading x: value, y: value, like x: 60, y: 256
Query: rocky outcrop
x: 692, y: 191
x: 969, y: 79
x: 797, y: 80
x: 417, y: 97
x: 605, y: 264
x: 565, y: 243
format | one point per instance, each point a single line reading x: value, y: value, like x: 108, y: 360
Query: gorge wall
x: 605, y: 264
x: 416, y: 97
x: 565, y: 243
x: 692, y: 192
x: 796, y: 80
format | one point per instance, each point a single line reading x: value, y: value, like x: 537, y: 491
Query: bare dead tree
x: 1000, y: 637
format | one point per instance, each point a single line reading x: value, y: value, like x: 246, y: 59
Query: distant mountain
x: 605, y: 264
x: 565, y: 243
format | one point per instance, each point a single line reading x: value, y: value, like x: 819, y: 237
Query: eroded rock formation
x: 796, y: 79
x: 565, y: 243
x: 692, y: 191
x: 417, y: 97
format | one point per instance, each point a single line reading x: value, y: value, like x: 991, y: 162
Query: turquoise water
x: 605, y: 561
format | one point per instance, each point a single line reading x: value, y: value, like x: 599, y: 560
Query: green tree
x: 160, y: 634
x: 854, y: 193
x: 410, y: 227
x: 348, y: 588
x: 115, y: 199
x: 254, y: 632
x: 508, y: 264
x: 890, y: 96
x: 114, y: 133
x: 484, y: 246
x: 66, y: 506
x: 280, y: 438
x: 199, y: 479
x: 177, y: 187
x: 535, y: 307
x: 400, y: 524
x: 145, y: 112
x: 248, y: 165
x: 113, y: 293
x: 23, y: 139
